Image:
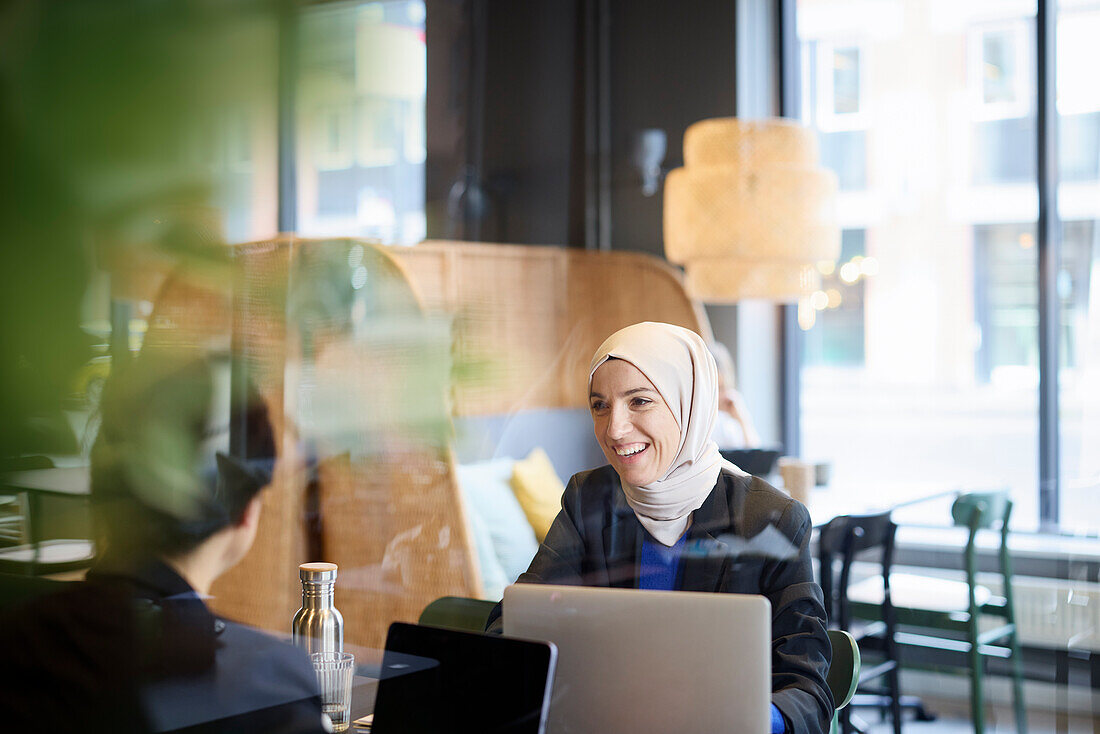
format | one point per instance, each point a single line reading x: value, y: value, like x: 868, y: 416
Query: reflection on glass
x: 846, y: 80
x: 999, y: 71
x: 924, y: 369
x: 361, y: 146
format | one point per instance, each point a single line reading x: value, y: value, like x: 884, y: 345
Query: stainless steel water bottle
x: 318, y: 625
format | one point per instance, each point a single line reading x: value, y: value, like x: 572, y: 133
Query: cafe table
x: 368, y: 668
x: 57, y: 506
x: 903, y: 501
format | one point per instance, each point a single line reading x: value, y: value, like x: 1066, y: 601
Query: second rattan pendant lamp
x: 751, y: 213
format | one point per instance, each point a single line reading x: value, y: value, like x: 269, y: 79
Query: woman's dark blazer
x: 596, y: 540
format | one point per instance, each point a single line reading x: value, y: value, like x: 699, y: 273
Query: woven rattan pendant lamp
x: 751, y: 213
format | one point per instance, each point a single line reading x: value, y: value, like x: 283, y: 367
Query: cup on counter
x: 798, y: 476
x: 334, y: 675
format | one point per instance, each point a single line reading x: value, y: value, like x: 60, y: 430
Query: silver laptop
x: 650, y: 661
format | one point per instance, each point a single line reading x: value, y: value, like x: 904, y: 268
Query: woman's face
x: 635, y: 427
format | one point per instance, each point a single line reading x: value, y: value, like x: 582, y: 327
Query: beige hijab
x: 678, y: 363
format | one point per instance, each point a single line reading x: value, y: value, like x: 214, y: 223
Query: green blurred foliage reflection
x: 105, y: 111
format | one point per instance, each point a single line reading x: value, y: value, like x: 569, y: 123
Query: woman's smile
x: 634, y: 426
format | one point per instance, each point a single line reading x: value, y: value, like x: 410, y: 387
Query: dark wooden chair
x: 839, y: 544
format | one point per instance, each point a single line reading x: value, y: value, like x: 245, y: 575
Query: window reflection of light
x: 1027, y: 240
x: 819, y: 300
x: 869, y: 266
x: 358, y: 311
x: 849, y: 272
x: 826, y: 267
x: 834, y: 298
x: 359, y: 277
x: 372, y: 13
x: 355, y: 256
x: 806, y: 315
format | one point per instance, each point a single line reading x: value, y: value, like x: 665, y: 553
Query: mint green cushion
x: 486, y: 487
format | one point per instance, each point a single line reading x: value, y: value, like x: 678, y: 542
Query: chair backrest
x: 981, y: 510
x: 846, y: 537
x: 457, y: 613
x: 843, y: 675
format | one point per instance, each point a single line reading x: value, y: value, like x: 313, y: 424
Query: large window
x: 837, y: 337
x: 360, y: 121
x: 926, y: 369
x: 1078, y: 103
x: 837, y: 107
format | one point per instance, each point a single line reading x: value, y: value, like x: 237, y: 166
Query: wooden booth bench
x: 393, y: 372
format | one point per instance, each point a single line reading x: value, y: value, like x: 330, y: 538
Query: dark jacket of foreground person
x: 596, y: 541
x: 136, y: 650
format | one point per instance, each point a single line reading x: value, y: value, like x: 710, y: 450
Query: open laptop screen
x: 437, y: 680
x: 650, y: 662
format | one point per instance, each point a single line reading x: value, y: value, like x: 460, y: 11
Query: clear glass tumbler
x: 334, y: 674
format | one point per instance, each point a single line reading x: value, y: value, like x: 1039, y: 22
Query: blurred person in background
x: 733, y: 427
x: 134, y: 647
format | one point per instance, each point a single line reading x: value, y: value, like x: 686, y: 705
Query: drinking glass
x: 334, y: 673
x: 798, y: 477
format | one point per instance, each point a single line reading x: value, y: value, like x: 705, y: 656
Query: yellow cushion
x: 538, y: 490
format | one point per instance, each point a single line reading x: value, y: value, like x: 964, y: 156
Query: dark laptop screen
x: 437, y: 680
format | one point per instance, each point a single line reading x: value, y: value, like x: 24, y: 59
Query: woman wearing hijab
x: 660, y: 515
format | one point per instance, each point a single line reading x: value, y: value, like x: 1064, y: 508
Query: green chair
x: 457, y: 613
x: 843, y: 676
x: 948, y: 615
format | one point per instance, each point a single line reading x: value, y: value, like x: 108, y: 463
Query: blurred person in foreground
x: 134, y: 647
x: 668, y: 505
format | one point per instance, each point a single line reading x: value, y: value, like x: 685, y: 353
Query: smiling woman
x: 661, y: 515
x: 636, y: 430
